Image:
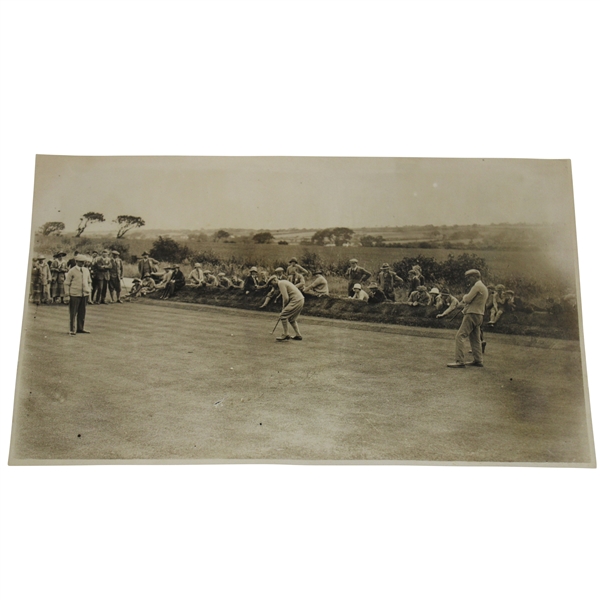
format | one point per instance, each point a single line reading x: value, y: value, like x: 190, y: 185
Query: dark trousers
x: 77, y: 306
x: 102, y: 289
x: 114, y: 285
x: 95, y: 282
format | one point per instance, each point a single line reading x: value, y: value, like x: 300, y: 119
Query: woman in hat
x: 196, y: 276
x: 251, y: 283
x: 58, y: 269
x: 359, y: 293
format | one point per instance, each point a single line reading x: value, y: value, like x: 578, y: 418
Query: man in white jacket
x: 470, y: 328
x: 78, y: 286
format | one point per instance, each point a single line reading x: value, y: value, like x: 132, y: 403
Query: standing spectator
x: 294, y: 268
x: 386, y: 278
x: 359, y: 293
x: 470, y: 328
x: 318, y: 286
x: 94, y: 275
x: 116, y: 274
x: 36, y: 282
x: 196, y: 276
x: 78, y: 284
x: 355, y: 274
x: 45, y: 279
x: 147, y: 265
x: 58, y: 270
x: 103, y: 266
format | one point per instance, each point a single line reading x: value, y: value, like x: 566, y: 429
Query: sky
x: 295, y: 192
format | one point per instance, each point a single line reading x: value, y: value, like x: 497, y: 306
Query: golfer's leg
x: 81, y: 313
x: 73, y: 305
x: 475, y: 339
x: 294, y: 325
x: 284, y: 324
x: 461, y: 336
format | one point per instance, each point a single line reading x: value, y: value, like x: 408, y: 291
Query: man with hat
x: 419, y: 297
x: 293, y: 302
x: 36, y: 281
x: 103, y: 266
x: 449, y: 303
x: 294, y: 268
x: 355, y: 274
x: 318, y: 286
x: 470, y: 328
x: 435, y: 298
x: 196, y: 276
x: 175, y: 283
x: 273, y: 292
x: 58, y: 270
x: 386, y: 278
x: 116, y: 274
x: 94, y: 274
x: 376, y: 296
x: 251, y: 283
x: 146, y: 266
x: 78, y: 285
x: 359, y: 293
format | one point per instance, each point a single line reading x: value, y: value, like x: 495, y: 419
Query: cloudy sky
x: 280, y: 193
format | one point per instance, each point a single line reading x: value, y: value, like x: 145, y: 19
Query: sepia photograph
x: 302, y: 310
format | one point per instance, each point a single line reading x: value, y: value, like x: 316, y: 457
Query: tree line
x: 125, y: 222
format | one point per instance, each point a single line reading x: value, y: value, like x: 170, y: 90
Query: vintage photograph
x: 302, y: 310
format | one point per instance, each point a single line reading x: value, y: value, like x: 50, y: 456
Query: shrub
x: 166, y: 249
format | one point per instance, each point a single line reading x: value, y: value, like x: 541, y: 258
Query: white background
x: 480, y: 79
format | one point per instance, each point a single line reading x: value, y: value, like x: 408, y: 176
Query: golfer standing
x: 78, y: 286
x: 470, y: 327
x: 293, y: 303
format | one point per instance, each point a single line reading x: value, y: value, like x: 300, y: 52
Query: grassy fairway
x: 200, y: 383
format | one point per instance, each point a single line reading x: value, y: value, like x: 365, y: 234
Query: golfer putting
x: 293, y: 303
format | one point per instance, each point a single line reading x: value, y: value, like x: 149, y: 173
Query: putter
x: 274, y: 328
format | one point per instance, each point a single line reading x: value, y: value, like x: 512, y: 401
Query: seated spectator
x: 298, y: 280
x: 318, y: 286
x: 449, y: 303
x: 134, y: 291
x: 224, y: 281
x: 419, y: 297
x: 148, y: 285
x: 499, y: 305
x: 196, y: 276
x: 359, y: 293
x: 376, y: 296
x: 435, y: 298
x: 175, y: 283
x: 279, y: 273
x: 210, y: 279
x: 236, y: 282
x: 251, y: 283
x: 166, y: 277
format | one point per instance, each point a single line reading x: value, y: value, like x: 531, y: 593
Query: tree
x: 264, y: 237
x: 52, y: 227
x: 369, y: 241
x: 337, y: 235
x: 87, y: 219
x: 126, y: 223
x: 221, y: 235
x: 168, y: 250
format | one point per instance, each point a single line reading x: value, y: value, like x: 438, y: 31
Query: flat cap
x: 472, y: 272
x: 293, y: 259
x: 198, y: 265
x: 353, y: 260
